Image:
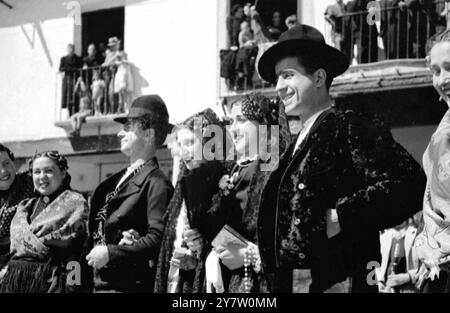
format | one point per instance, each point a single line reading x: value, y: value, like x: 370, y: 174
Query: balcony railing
x: 387, y: 33
x: 238, y: 68
x: 382, y: 33
x: 90, y: 89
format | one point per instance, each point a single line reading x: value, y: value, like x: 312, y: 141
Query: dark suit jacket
x: 342, y: 164
x: 70, y: 63
x: 140, y: 205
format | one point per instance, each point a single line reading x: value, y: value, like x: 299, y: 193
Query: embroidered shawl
x: 434, y: 241
x: 62, y: 220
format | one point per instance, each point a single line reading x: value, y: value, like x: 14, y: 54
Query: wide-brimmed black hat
x: 302, y: 40
x: 149, y: 104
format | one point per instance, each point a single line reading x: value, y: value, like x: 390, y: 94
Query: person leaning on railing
x: 364, y: 34
x: 68, y: 66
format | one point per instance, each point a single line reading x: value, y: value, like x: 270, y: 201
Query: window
x: 98, y: 26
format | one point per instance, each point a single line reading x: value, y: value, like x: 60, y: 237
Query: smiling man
x: 130, y: 204
x: 13, y: 189
x: 336, y: 187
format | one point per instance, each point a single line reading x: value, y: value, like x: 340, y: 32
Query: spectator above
x: 113, y: 47
x: 260, y: 32
x: 71, y: 61
x: 276, y: 28
x: 92, y: 59
x: 68, y: 65
x: 245, y: 35
x: 247, y: 15
x: 234, y: 24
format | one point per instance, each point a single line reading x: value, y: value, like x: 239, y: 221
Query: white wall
x: 176, y: 56
x: 174, y: 45
x: 32, y: 39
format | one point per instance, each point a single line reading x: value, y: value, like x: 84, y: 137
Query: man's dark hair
x: 312, y: 63
x: 8, y: 152
x: 159, y: 124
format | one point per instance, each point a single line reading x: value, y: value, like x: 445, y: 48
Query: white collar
x: 135, y: 165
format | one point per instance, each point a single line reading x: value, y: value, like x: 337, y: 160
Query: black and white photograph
x: 224, y: 151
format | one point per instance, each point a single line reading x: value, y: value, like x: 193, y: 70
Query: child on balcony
x: 246, y: 50
x: 85, y: 107
x: 98, y: 88
x: 245, y: 35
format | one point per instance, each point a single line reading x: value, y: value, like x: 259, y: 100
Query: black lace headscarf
x: 196, y: 189
x: 266, y: 111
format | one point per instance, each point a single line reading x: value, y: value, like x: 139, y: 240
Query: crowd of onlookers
x: 98, y: 84
x: 404, y: 27
x: 399, y: 29
x: 338, y: 206
x: 248, y: 38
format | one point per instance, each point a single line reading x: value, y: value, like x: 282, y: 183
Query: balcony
x: 386, y: 47
x: 89, y: 93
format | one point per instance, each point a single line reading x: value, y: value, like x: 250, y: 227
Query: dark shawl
x: 196, y: 188
x: 244, y: 218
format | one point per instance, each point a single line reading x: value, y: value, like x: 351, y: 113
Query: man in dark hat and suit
x: 126, y: 220
x: 337, y: 185
x: 68, y: 66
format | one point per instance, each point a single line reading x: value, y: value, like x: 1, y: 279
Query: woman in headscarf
x: 190, y: 225
x: 47, y: 231
x: 433, y: 244
x: 260, y: 133
x: 13, y: 189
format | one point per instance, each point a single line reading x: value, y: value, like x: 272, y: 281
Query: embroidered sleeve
x: 391, y: 183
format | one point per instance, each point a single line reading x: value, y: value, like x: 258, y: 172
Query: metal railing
x: 91, y: 89
x: 387, y: 33
x: 238, y: 68
x: 382, y: 33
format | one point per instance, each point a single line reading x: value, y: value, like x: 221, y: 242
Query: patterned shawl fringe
x: 30, y: 277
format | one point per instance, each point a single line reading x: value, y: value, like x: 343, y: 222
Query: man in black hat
x: 126, y: 220
x: 338, y: 184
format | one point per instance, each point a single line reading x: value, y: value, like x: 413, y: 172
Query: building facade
x: 174, y: 48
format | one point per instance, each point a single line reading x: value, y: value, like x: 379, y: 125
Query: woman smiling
x: 433, y: 244
x: 13, y: 189
x: 191, y: 225
x: 47, y: 231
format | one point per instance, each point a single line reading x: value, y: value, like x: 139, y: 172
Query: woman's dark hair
x: 6, y: 149
x: 207, y: 118
x: 257, y: 107
x: 54, y: 155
